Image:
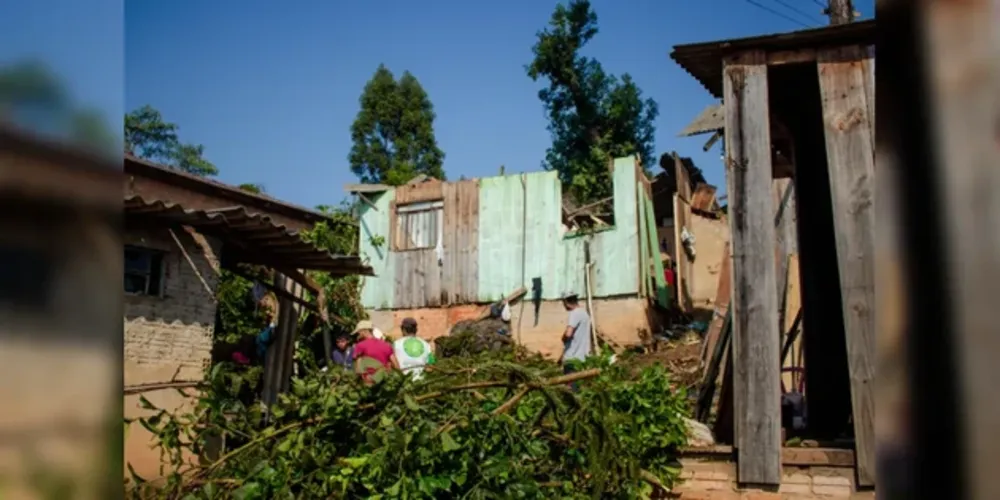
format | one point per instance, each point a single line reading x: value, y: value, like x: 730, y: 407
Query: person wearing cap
x: 576, y: 336
x: 412, y: 352
x: 372, y: 355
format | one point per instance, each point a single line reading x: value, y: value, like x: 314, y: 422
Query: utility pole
x: 840, y: 11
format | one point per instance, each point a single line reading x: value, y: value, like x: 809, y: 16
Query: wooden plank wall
x: 421, y: 279
x: 851, y: 159
x: 682, y: 219
x: 460, y: 269
x: 755, y: 310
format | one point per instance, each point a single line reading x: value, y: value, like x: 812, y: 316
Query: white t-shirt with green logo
x: 413, y: 354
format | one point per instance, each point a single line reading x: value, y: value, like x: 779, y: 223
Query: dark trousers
x: 569, y: 368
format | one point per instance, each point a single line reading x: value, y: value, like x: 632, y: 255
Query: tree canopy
x: 593, y: 116
x: 33, y: 95
x: 393, y: 133
x: 149, y: 136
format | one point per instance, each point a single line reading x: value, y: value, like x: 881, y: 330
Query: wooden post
x: 851, y: 160
x: 964, y: 72
x: 756, y: 383
x: 840, y: 11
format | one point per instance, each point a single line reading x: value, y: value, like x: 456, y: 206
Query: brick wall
x: 168, y: 337
x: 176, y: 328
x: 715, y: 479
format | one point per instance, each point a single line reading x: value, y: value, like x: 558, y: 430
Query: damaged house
x: 441, y: 250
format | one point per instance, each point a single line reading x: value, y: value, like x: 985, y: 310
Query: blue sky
x: 271, y: 88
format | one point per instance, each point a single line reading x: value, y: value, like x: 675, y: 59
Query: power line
x: 779, y: 14
x: 796, y: 10
x: 821, y: 4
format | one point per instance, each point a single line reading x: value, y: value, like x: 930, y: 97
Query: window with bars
x: 419, y: 225
x: 143, y: 271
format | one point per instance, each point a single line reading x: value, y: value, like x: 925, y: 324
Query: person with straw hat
x: 371, y: 355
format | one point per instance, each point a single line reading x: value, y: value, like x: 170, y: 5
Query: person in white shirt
x: 413, y: 353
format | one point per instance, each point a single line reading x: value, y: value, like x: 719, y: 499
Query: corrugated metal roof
x: 135, y: 165
x: 258, y: 239
x: 704, y: 60
x: 711, y: 119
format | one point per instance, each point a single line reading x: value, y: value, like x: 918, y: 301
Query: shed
x: 798, y: 116
x: 180, y: 231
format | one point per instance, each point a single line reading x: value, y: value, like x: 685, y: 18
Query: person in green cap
x: 413, y: 353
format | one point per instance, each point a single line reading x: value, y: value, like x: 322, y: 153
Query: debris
x: 699, y: 435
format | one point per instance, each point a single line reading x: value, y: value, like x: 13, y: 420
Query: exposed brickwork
x: 710, y: 479
x: 174, y: 329
x: 621, y: 320
x: 168, y: 337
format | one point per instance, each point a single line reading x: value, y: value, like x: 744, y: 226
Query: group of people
x: 372, y: 354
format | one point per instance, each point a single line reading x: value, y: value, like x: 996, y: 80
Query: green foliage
x: 148, y: 136
x: 480, y: 426
x: 239, y: 316
x: 252, y: 188
x: 32, y: 95
x: 393, y: 132
x: 593, y: 116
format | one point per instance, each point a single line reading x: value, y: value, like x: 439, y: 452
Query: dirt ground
x: 681, y: 357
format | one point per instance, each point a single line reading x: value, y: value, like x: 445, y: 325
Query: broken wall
x: 624, y: 321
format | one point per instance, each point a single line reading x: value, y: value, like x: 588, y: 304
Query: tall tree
x: 149, y: 136
x: 593, y: 116
x: 393, y: 133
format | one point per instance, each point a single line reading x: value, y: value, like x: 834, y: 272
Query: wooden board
x: 793, y: 302
x: 963, y: 78
x: 659, y: 280
x: 424, y: 191
x: 851, y: 160
x: 722, y: 299
x: 645, y: 265
x: 460, y: 266
x: 754, y: 302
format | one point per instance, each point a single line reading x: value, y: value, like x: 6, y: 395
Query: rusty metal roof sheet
x: 704, y: 60
x: 258, y: 240
x: 135, y: 165
x: 711, y: 119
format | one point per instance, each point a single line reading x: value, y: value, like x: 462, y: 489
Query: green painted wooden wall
x: 520, y: 237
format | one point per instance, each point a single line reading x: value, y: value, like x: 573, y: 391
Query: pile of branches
x: 472, y: 337
x: 478, y: 426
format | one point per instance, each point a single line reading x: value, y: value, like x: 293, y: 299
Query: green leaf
x: 449, y: 443
x: 411, y: 403
x: 286, y: 444
x: 145, y: 404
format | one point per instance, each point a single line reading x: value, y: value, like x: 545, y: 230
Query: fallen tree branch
x: 564, y: 379
x: 154, y: 386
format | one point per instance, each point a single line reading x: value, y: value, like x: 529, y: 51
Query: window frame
x: 402, y: 212
x: 160, y: 273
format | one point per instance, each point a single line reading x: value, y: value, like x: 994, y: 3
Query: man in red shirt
x: 372, y: 355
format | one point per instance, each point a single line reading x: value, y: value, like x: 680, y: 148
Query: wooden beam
x: 756, y: 384
x: 851, y: 159
x: 280, y: 292
x: 367, y: 201
x: 780, y: 57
